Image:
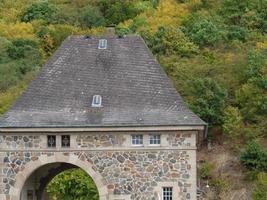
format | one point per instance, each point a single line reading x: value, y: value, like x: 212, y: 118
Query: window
x: 167, y: 193
x: 154, y: 139
x: 102, y: 44
x: 137, y: 140
x: 65, y: 141
x: 29, y: 194
x: 97, y: 101
x: 51, y: 141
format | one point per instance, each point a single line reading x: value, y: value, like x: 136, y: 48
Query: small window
x: 154, y: 139
x: 51, y: 141
x: 167, y: 193
x: 65, y: 141
x: 97, y: 101
x: 102, y: 44
x: 137, y: 140
x: 29, y: 194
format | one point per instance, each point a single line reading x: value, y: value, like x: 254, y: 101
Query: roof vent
x: 102, y: 44
x: 97, y: 101
x: 87, y: 37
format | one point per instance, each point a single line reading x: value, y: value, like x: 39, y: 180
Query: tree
x: 254, y: 157
x: 204, y: 33
x: 91, y: 17
x: 40, y: 10
x: 232, y: 122
x: 209, y: 100
x: 73, y: 184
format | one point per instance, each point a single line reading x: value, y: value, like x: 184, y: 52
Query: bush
x: 204, y: 33
x: 91, y: 17
x: 260, y: 192
x: 209, y: 100
x: 4, y: 46
x: 40, y: 10
x: 236, y: 33
x: 172, y: 41
x: 254, y: 157
x: 21, y: 47
x: 205, y: 171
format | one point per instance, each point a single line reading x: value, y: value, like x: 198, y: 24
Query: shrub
x: 205, y: 171
x: 236, y: 33
x: 260, y: 192
x: 254, y: 157
x: 4, y: 46
x: 91, y: 17
x: 20, y: 48
x: 204, y: 33
x: 40, y: 10
x: 172, y: 41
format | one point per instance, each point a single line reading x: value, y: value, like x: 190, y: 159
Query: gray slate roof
x: 134, y: 88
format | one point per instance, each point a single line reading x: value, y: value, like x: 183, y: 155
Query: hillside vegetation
x: 215, y: 51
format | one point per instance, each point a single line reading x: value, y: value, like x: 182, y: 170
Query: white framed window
x: 97, y: 101
x: 137, y: 140
x: 102, y: 44
x: 154, y: 139
x: 167, y: 193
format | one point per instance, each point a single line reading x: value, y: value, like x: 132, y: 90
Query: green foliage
x: 4, y: 46
x: 237, y: 33
x: 172, y: 41
x: 247, y: 13
x: 254, y: 157
x: 117, y: 11
x: 73, y: 184
x: 18, y: 58
x: 209, y: 100
x: 204, y: 33
x: 91, y: 17
x: 260, y: 192
x: 40, y: 10
x: 205, y: 170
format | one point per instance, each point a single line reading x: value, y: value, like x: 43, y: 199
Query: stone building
x: 104, y: 105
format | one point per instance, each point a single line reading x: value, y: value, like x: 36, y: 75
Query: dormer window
x: 97, y: 101
x: 102, y: 44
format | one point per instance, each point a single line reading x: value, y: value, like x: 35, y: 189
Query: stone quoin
x: 102, y: 104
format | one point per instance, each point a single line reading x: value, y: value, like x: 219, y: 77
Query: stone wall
x: 136, y: 172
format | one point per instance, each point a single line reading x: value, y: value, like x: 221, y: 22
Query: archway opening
x: 59, y: 181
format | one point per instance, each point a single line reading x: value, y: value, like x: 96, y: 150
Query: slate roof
x: 134, y: 88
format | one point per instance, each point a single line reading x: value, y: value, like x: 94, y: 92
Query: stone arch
x: 58, y: 157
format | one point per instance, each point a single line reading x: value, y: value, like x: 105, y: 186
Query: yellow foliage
x: 168, y: 13
x: 17, y: 31
x: 261, y: 45
x: 10, y: 11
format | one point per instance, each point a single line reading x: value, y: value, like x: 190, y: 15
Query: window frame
x: 168, y: 197
x: 97, y: 101
x: 153, y: 139
x: 132, y: 139
x: 55, y: 142
x: 103, y: 43
x: 62, y: 138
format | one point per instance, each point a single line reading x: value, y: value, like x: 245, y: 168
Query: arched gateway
x: 106, y: 106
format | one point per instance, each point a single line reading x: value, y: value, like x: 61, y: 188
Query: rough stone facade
x: 126, y: 171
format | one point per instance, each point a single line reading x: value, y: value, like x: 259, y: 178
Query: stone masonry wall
x: 126, y: 170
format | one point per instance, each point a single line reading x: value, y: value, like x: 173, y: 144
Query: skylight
x: 97, y: 101
x: 102, y: 44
